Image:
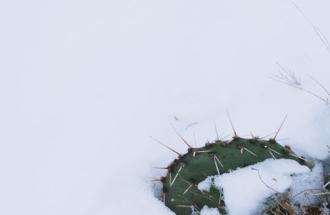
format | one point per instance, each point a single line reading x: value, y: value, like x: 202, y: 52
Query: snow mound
x: 247, y: 188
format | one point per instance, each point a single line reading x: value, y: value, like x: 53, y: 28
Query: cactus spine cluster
x: 180, y: 191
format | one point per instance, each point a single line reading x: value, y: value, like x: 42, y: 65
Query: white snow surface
x: 305, y: 185
x: 209, y: 211
x: 83, y: 84
x: 247, y: 188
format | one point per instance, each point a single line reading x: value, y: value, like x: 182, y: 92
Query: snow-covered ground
x: 83, y: 84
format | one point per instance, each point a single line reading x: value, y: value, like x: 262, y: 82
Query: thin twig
x: 288, y: 78
x: 269, y: 187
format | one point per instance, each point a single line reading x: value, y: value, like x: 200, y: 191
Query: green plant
x: 180, y: 191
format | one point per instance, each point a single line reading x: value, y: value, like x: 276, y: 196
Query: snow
x: 83, y: 84
x: 209, y: 211
x: 247, y: 188
x: 305, y: 185
x: 206, y: 185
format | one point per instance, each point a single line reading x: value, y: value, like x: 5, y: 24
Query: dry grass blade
x: 290, y: 79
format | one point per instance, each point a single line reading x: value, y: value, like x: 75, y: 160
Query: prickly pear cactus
x: 180, y: 191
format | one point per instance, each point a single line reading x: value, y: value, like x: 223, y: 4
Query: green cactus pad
x: 180, y: 191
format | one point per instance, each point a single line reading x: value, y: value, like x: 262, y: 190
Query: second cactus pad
x: 180, y: 191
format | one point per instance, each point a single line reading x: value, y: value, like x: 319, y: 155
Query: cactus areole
x: 180, y: 191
